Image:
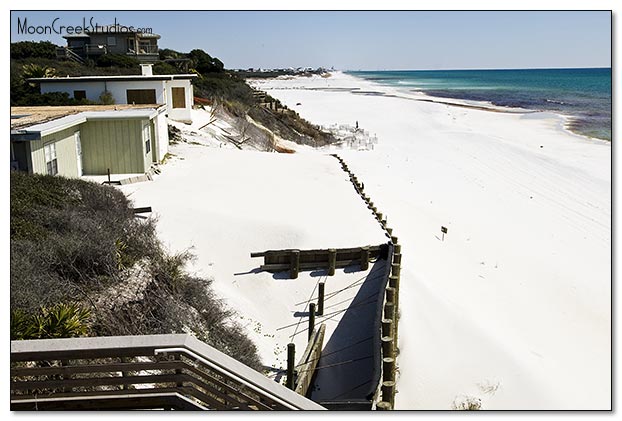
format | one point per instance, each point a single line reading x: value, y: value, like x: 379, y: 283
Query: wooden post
x: 294, y: 264
x: 393, y: 281
x: 320, y: 299
x: 291, y: 355
x: 379, y: 216
x: 395, y: 269
x: 332, y: 261
x: 389, y: 311
x: 390, y: 293
x: 108, y: 175
x: 389, y: 230
x: 397, y: 258
x: 388, y: 369
x: 387, y: 327
x: 178, y: 372
x: 311, y: 319
x: 65, y: 363
x: 394, y: 239
x: 364, y: 258
x: 387, y: 346
x: 388, y: 392
x: 395, y: 274
x: 384, y: 222
x: 383, y: 406
x: 397, y: 249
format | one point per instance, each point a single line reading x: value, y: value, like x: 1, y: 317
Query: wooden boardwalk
x: 139, y: 372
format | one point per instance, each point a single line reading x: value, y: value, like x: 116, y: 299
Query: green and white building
x: 88, y: 140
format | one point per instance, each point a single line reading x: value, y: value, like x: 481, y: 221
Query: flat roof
x: 26, y: 117
x: 122, y: 78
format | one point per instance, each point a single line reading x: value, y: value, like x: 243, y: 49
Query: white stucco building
x: 173, y: 90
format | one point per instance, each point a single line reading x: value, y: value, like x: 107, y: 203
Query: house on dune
x: 88, y: 140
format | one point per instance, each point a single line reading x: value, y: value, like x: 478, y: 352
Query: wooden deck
x: 139, y: 372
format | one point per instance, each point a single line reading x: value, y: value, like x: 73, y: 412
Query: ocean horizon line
x: 581, y: 93
x: 474, y: 69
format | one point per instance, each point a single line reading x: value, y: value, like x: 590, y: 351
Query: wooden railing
x: 389, y: 311
x: 388, y: 332
x: 305, y: 368
x: 330, y: 259
x: 64, y: 52
x: 144, y: 49
x: 139, y: 372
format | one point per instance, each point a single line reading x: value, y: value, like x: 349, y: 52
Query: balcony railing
x: 94, y: 49
x: 144, y: 49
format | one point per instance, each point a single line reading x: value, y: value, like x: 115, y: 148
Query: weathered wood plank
x: 309, y: 361
x: 170, y: 400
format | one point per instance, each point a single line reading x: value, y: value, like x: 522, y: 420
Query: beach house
x: 175, y: 91
x: 88, y: 140
x: 112, y: 39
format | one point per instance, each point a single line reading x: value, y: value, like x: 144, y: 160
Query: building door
x: 179, y: 97
x: 78, y: 152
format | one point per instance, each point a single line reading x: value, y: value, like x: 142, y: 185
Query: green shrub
x: 106, y: 98
x: 29, y: 49
x: 48, y: 98
x: 74, y: 241
x: 118, y: 60
x: 59, y: 321
x: 161, y: 68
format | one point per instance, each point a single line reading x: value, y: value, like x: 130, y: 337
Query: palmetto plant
x: 33, y: 70
x: 59, y: 321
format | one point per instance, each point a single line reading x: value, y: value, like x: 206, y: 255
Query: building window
x: 112, y: 41
x: 50, y: 159
x: 141, y: 96
x: 79, y: 94
x: 147, y: 137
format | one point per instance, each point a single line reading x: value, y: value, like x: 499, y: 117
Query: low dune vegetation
x: 82, y: 264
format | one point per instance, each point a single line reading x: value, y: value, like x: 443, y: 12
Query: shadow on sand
x: 348, y: 370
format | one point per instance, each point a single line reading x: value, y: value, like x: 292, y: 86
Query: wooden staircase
x: 175, y: 372
x: 65, y: 52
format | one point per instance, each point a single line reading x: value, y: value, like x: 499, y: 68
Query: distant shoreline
x: 581, y: 96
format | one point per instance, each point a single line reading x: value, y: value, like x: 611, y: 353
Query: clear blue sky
x: 367, y: 40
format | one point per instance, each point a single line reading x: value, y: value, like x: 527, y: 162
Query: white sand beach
x: 222, y: 204
x: 513, y: 307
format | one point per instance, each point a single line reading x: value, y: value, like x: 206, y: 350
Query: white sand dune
x: 513, y: 307
x: 226, y: 203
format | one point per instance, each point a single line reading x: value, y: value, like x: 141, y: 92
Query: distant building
x: 112, y: 39
x: 88, y: 140
x: 173, y: 90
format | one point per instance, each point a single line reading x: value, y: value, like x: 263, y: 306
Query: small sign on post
x: 444, y: 231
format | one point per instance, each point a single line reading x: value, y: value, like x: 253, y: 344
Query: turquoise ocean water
x: 583, y: 94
